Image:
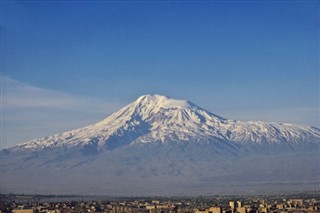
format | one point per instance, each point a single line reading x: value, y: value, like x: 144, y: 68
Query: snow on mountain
x: 161, y: 146
x: 155, y: 118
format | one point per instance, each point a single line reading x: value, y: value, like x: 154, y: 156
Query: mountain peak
x: 160, y: 101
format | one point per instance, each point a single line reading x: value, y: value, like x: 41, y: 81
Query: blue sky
x: 250, y: 60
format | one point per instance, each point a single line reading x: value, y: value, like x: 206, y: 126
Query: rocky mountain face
x: 162, y: 146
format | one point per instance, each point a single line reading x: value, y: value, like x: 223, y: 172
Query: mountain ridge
x: 156, y: 118
x: 160, y: 146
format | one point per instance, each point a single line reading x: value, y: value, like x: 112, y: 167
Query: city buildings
x: 215, y: 204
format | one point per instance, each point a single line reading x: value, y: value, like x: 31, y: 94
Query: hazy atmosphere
x: 160, y: 99
x: 67, y: 64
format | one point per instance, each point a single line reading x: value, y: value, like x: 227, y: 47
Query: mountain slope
x: 154, y: 118
x: 157, y: 144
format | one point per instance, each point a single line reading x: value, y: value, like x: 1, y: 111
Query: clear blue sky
x: 250, y: 60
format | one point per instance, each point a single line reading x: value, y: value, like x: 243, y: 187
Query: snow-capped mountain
x: 155, y: 144
x: 155, y: 118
